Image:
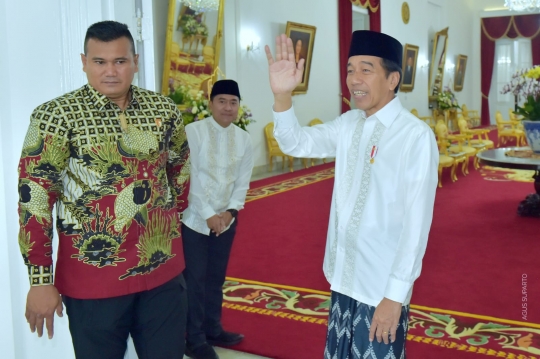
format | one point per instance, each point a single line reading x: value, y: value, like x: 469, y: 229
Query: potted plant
x: 526, y: 84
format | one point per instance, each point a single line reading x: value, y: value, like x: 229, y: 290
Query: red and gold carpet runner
x: 490, y: 304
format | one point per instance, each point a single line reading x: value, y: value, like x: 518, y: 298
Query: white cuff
x: 397, y: 290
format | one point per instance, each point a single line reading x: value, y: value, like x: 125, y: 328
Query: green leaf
x: 289, y: 293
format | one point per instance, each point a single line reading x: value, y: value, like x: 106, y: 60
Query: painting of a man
x: 410, y: 55
x: 303, y: 38
x: 408, y: 73
x: 301, y: 43
x: 460, y: 72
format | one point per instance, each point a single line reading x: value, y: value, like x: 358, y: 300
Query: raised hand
x: 285, y: 74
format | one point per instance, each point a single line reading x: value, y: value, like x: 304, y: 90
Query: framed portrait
x: 408, y: 72
x: 459, y: 77
x: 192, y: 48
x: 303, y: 37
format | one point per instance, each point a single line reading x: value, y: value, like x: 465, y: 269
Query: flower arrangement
x: 179, y: 95
x: 245, y: 117
x: 526, y: 83
x: 447, y: 100
x: 197, y: 108
x: 192, y: 25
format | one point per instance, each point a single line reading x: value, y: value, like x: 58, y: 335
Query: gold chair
x: 460, y: 153
x: 508, y: 129
x: 482, y: 140
x: 471, y: 116
x: 445, y: 161
x: 427, y: 119
x: 516, y: 119
x: 273, y: 148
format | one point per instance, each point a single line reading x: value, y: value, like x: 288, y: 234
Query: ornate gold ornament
x: 405, y: 12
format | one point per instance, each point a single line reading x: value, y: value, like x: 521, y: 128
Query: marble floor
x: 232, y: 354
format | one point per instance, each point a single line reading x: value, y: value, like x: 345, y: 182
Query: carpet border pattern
x: 500, y: 338
x: 288, y: 184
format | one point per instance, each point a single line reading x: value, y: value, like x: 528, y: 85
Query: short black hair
x: 390, y: 66
x: 108, y: 31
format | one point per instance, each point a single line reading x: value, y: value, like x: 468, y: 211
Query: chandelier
x: 202, y: 5
x: 523, y: 5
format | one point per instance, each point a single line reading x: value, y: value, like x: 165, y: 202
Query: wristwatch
x: 233, y: 212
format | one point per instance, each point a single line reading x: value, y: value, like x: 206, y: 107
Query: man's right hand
x: 41, y: 303
x: 216, y: 224
x: 285, y: 74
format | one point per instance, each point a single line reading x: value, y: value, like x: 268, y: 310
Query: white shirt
x: 381, y: 212
x: 221, y: 164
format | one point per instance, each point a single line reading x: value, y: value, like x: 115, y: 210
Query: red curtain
x: 345, y: 36
x: 494, y: 28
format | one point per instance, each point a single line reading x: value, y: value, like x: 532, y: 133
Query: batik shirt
x: 382, y: 203
x: 118, y: 188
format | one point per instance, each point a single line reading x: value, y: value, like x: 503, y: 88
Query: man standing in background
x: 112, y: 157
x: 221, y: 164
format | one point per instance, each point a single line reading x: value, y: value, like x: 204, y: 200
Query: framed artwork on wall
x: 408, y: 72
x: 303, y: 37
x: 461, y: 66
x: 192, y: 49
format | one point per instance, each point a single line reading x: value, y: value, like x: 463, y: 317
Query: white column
x: 41, y: 42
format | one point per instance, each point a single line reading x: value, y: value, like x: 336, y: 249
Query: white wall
x: 7, y: 342
x: 267, y: 19
x: 160, y: 9
x: 419, y: 31
x: 41, y: 42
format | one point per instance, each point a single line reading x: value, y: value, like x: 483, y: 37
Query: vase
x: 532, y: 133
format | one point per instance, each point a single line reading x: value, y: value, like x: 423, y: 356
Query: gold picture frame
x: 408, y: 72
x: 303, y: 38
x: 192, y: 49
x: 459, y: 76
x: 436, y: 69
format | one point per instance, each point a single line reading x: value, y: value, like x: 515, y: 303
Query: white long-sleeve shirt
x: 221, y: 165
x: 382, y: 202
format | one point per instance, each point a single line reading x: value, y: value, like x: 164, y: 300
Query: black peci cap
x: 371, y: 43
x: 225, y: 87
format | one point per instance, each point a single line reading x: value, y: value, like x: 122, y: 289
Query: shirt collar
x: 388, y: 113
x: 101, y: 101
x: 217, y: 126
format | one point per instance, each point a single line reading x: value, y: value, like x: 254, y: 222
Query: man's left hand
x: 385, y: 321
x: 227, y: 218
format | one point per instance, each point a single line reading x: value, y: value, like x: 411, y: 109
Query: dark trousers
x: 206, y: 265
x: 156, y: 320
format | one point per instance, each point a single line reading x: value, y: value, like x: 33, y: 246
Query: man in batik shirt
x: 113, y: 159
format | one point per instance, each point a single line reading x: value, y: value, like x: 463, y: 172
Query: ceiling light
x: 202, y: 5
x: 523, y: 5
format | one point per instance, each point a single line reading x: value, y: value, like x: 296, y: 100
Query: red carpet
x: 480, y: 266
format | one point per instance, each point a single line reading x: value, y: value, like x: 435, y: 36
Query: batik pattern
x: 118, y: 192
x: 348, y: 332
